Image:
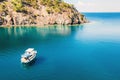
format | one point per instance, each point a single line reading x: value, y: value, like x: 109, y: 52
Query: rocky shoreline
x: 39, y: 14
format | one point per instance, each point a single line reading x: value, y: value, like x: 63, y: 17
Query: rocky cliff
x: 39, y: 12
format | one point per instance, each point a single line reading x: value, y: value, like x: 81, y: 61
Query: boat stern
x: 23, y: 60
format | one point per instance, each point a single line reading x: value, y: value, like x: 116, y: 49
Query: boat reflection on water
x: 37, y: 61
x: 29, y: 65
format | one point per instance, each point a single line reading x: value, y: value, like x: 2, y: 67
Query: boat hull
x: 28, y: 60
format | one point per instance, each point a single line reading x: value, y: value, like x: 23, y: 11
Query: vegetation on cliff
x: 38, y: 12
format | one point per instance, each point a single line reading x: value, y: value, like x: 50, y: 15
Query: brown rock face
x: 39, y: 16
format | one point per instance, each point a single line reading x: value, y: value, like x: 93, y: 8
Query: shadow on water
x: 35, y: 62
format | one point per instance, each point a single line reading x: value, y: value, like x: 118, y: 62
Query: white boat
x: 29, y: 55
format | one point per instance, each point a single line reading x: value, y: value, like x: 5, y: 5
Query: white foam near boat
x: 29, y: 55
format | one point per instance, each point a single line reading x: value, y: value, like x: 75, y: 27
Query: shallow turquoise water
x: 82, y: 52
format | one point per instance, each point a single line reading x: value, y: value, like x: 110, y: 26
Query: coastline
x: 8, y: 26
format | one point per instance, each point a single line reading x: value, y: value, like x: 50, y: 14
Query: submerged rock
x: 38, y: 12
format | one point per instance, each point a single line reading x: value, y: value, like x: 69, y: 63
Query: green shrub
x: 33, y: 3
x: 17, y: 5
x: 49, y: 10
x: 57, y: 6
x: 3, y: 7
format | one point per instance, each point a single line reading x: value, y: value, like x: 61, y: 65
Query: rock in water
x: 39, y: 12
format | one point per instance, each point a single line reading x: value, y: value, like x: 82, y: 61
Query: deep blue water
x: 81, y: 52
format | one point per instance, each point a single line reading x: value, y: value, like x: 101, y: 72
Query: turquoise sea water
x: 80, y: 52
